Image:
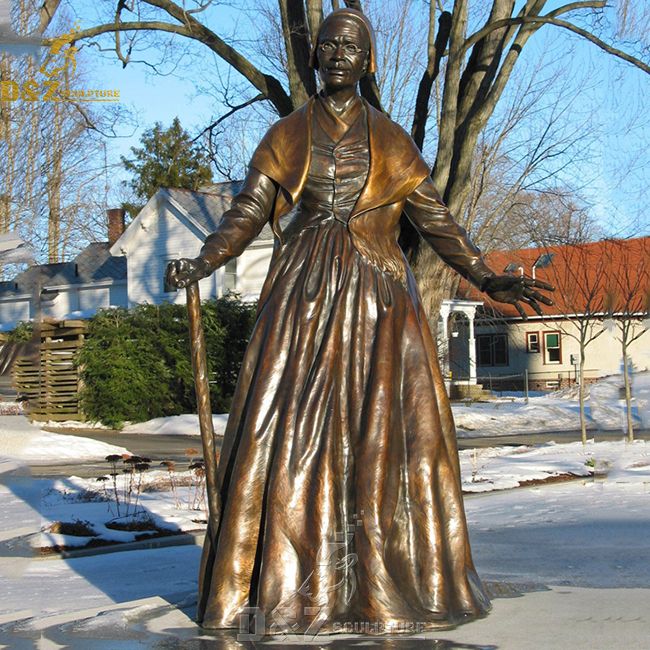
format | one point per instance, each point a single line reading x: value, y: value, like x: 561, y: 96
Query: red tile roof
x: 588, y: 278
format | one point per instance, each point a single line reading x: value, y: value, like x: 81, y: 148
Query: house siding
x: 13, y: 310
x: 602, y: 356
x: 252, y: 269
x: 68, y: 300
x: 162, y: 235
x: 163, y: 238
x: 65, y: 302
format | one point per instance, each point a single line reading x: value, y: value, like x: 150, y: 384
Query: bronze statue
x: 341, y: 505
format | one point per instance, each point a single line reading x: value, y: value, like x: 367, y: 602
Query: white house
x: 94, y: 279
x: 174, y: 223
x: 129, y: 269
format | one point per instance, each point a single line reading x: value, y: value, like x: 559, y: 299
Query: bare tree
x: 466, y: 69
x: 580, y: 275
x: 628, y: 303
x: 554, y: 217
x: 19, y: 132
x: 50, y: 182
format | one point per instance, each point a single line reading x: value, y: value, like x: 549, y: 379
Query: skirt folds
x: 341, y: 500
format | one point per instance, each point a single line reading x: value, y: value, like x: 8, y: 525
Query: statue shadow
x: 120, y: 574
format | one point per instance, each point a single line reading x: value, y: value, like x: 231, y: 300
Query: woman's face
x: 343, y: 48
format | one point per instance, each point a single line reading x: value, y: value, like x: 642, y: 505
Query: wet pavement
x: 154, y: 446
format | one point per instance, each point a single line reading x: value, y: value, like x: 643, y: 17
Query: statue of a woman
x: 339, y: 473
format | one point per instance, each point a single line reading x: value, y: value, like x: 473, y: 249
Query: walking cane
x: 200, y: 368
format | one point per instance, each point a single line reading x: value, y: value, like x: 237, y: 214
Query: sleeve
x: 239, y: 225
x: 449, y: 240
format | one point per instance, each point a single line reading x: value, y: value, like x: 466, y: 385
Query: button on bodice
x: 337, y: 173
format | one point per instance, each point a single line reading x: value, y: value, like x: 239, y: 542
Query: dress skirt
x: 340, y: 486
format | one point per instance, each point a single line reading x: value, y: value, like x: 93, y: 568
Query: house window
x: 552, y: 347
x: 230, y: 275
x: 492, y: 350
x: 532, y: 341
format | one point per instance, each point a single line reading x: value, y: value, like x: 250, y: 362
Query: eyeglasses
x: 349, y: 48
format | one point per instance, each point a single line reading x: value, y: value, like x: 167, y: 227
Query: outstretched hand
x: 513, y: 290
x: 184, y: 271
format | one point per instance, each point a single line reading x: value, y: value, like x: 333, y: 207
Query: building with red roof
x: 602, y: 289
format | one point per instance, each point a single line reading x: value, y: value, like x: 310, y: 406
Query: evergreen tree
x: 167, y: 158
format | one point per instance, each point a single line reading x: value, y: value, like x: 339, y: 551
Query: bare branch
x: 266, y: 84
x: 210, y: 127
x: 550, y: 20
x: 490, y: 26
x: 436, y: 47
x: 202, y: 6
x: 46, y: 14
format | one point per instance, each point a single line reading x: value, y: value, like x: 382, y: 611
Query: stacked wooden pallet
x: 49, y: 380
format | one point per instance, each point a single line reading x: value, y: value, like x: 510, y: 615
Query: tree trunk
x: 302, y: 83
x: 581, y: 393
x: 6, y: 134
x: 435, y: 281
x: 628, y: 395
x: 54, y: 182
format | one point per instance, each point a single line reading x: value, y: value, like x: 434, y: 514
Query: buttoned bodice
x: 337, y: 173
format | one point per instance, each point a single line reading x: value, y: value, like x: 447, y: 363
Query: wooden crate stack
x: 51, y: 383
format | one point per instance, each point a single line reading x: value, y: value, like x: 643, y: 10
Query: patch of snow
x: 147, y: 500
x: 186, y: 425
x: 24, y: 442
x: 81, y: 313
x: 74, y: 424
x: 500, y: 468
x: 557, y: 411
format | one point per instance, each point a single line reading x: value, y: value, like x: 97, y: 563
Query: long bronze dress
x: 342, y: 507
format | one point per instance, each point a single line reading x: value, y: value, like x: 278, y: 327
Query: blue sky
x: 616, y: 96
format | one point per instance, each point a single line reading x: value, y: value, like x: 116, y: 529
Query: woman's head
x: 344, y: 49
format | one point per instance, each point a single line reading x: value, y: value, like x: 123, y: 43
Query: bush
x: 22, y: 333
x: 135, y: 364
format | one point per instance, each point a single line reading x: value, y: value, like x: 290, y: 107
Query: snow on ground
x: 146, y: 503
x: 592, y: 533
x: 22, y: 441
x: 589, y: 534
x: 75, y: 424
x: 557, y: 411
x: 181, y: 425
x: 187, y: 425
x: 500, y: 468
